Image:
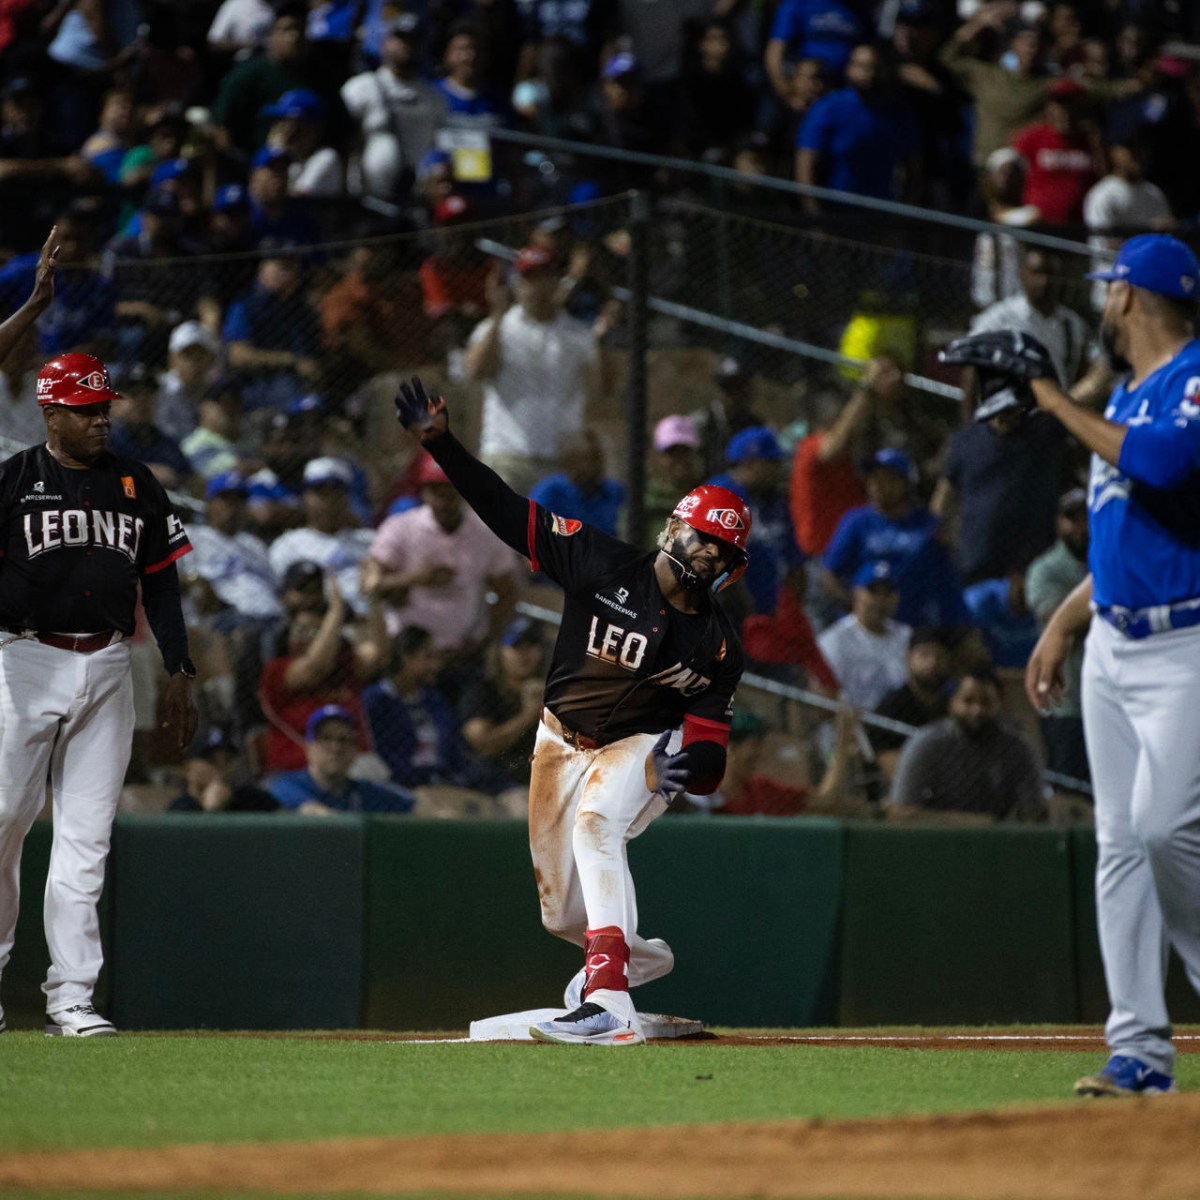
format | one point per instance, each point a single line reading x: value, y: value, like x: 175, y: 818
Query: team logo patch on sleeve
x: 127, y: 484
x: 565, y: 526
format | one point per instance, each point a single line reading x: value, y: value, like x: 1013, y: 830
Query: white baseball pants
x: 584, y: 806
x: 68, y: 716
x: 1141, y: 713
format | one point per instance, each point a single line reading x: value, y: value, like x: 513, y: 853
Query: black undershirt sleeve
x: 500, y: 508
x: 164, y: 610
x: 705, y: 762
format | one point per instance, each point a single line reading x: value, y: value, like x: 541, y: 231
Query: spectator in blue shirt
x: 894, y: 528
x: 413, y: 727
x: 467, y: 99
x: 272, y: 334
x: 581, y: 489
x: 755, y: 473
x: 861, y: 138
x: 275, y: 217
x: 325, y: 786
x: 135, y: 434
x: 1009, y: 629
x: 827, y: 30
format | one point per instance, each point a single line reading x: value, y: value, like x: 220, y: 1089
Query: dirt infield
x: 1137, y: 1148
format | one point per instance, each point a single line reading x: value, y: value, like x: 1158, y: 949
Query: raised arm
x: 39, y: 300
x: 507, y: 515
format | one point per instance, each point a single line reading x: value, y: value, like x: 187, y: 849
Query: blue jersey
x: 1145, y: 512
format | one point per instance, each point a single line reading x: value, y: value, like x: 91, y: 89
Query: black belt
x: 82, y: 643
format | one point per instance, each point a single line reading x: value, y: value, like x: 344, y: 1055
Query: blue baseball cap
x: 302, y: 405
x: 756, y: 442
x: 621, y: 66
x: 1157, y: 262
x: 299, y: 104
x: 328, y: 712
x: 226, y: 482
x: 878, y: 571
x: 892, y: 460
x: 268, y: 156
x: 230, y: 195
x: 170, y: 170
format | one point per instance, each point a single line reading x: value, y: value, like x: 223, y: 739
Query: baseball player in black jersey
x: 637, y: 708
x: 80, y: 530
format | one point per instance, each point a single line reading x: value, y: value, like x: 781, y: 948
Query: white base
x: 514, y: 1027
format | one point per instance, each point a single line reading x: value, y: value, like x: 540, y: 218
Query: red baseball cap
x: 452, y: 208
x: 534, y: 258
x: 75, y: 380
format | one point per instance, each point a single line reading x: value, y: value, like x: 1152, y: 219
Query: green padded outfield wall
x: 750, y: 908
x: 453, y: 931
x: 24, y: 1001
x: 956, y: 926
x: 241, y: 922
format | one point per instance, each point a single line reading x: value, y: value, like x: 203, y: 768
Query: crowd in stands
x: 266, y: 209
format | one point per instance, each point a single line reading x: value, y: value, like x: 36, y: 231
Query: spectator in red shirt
x: 319, y: 668
x: 825, y: 483
x: 1064, y: 154
x: 455, y: 277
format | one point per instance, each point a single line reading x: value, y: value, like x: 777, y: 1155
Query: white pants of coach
x: 69, y: 717
x: 1141, y: 713
x: 584, y: 807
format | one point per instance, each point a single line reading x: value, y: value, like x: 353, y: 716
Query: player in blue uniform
x: 1141, y: 676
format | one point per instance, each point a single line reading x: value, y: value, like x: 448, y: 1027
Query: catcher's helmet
x: 718, y: 513
x: 75, y: 380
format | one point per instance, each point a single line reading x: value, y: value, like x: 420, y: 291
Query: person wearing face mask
x: 637, y: 708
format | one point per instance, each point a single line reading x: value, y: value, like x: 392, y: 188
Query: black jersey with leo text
x: 76, y: 542
x: 625, y: 660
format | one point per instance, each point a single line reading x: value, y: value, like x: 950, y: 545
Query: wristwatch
x: 186, y: 668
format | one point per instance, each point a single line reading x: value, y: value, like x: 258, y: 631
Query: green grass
x: 145, y: 1091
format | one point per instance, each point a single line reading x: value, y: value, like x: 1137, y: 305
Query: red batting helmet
x: 75, y: 380
x: 719, y: 513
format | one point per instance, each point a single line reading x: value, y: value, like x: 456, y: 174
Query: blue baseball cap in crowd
x: 521, y: 629
x: 1157, y: 262
x: 879, y: 571
x: 328, y: 712
x: 230, y: 195
x: 892, y: 460
x: 300, y: 406
x: 226, y: 482
x: 298, y: 104
x: 216, y: 739
x: 268, y: 156
x: 172, y: 169
x: 756, y: 442
x: 621, y: 66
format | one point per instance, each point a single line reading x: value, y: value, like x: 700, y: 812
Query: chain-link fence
x: 642, y: 341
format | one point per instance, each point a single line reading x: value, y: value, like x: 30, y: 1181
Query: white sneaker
x: 573, y: 996
x: 588, y: 1025
x: 80, y: 1020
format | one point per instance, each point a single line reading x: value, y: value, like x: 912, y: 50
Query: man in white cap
x: 193, y: 352
x: 331, y: 535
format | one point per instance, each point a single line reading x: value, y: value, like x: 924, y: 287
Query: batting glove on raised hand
x: 1016, y: 356
x: 666, y: 773
x: 423, y: 416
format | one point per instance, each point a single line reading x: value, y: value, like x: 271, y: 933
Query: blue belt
x: 1142, y: 622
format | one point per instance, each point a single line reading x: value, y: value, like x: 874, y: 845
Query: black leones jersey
x: 626, y: 661
x: 75, y: 543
